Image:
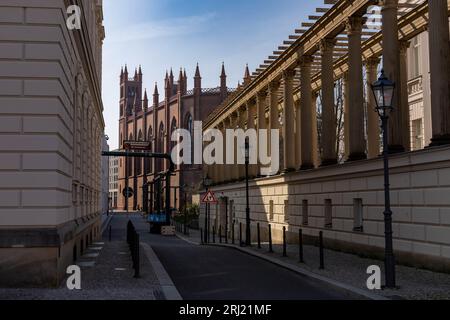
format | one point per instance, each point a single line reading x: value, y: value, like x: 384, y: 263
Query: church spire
x: 156, y: 96
x: 223, y: 83
x: 247, y: 77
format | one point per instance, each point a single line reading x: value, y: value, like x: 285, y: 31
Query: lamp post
x: 383, y: 91
x: 206, y: 183
x: 248, y: 239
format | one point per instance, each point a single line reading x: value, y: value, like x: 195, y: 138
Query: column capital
x: 372, y: 62
x: 326, y: 45
x: 273, y: 86
x: 403, y: 46
x: 261, y: 94
x: 306, y: 60
x: 353, y: 25
x: 288, y: 74
x: 388, y: 4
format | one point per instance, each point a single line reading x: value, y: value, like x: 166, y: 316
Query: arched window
x: 173, y: 127
x: 161, y: 138
x: 129, y: 162
x: 149, y: 161
x: 138, y: 161
x: 189, y: 125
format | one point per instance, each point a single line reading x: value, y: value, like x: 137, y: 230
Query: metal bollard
x: 201, y: 236
x: 300, y: 245
x: 110, y: 231
x: 259, y: 235
x: 220, y: 234
x: 270, y: 239
x: 284, y: 242
x: 240, y: 234
x: 322, y: 265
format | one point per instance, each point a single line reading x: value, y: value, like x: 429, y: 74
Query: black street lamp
x: 248, y: 239
x: 383, y: 90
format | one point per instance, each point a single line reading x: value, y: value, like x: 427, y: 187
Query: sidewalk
x: 347, y: 270
x: 106, y: 274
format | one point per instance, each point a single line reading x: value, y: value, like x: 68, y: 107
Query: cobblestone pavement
x: 111, y: 278
x: 350, y: 269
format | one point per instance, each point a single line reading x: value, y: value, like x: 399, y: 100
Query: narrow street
x: 214, y: 273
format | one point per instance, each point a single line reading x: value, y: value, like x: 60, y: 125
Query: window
x: 328, y: 213
x: 415, y: 58
x: 286, y: 211
x: 271, y: 214
x: 357, y: 215
x: 417, y: 132
x: 74, y: 193
x: 305, y: 212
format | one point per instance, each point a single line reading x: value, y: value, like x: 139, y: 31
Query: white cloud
x: 159, y: 29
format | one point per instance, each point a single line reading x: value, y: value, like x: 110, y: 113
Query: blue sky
x: 160, y: 34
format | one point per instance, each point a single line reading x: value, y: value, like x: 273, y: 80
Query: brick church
x: 155, y: 123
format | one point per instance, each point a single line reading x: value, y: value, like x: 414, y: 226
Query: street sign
x: 128, y: 192
x: 137, y: 145
x: 209, y: 197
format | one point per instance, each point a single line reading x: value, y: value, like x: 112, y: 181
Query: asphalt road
x: 215, y: 273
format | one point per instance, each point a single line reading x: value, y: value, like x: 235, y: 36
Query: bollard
x: 284, y: 242
x: 270, y: 239
x: 321, y: 250
x: 240, y: 234
x: 259, y: 236
x: 214, y: 234
x: 232, y: 233
x: 300, y: 245
x: 110, y: 231
x: 201, y: 236
x: 220, y: 234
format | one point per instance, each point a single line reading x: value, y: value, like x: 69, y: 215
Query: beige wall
x: 420, y: 183
x: 51, y: 121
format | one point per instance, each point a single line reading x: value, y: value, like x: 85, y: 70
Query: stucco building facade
x: 51, y: 128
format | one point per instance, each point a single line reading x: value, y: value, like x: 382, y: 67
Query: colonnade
x: 361, y: 129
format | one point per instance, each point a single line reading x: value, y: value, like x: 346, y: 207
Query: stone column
x: 328, y: 139
x: 288, y: 121
x: 391, y: 66
x: 356, y: 139
x: 274, y: 115
x: 403, y: 96
x: 315, y: 135
x: 346, y: 115
x: 251, y: 111
x: 241, y: 123
x: 298, y: 134
x: 224, y: 176
x: 440, y: 71
x: 373, y: 120
x: 261, y: 103
x: 234, y: 168
x: 306, y: 114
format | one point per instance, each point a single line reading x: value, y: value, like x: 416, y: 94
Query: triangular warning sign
x: 209, y: 197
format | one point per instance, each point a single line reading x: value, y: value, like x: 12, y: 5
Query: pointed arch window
x: 138, y: 161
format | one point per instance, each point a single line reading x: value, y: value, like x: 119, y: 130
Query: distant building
x: 155, y: 123
x: 105, y: 177
x: 51, y: 128
x: 113, y: 181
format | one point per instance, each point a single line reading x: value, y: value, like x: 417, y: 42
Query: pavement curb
x: 106, y: 223
x: 329, y: 281
x: 167, y: 286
